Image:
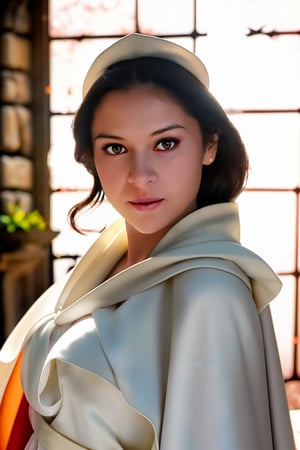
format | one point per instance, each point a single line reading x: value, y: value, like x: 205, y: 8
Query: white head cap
x: 137, y: 45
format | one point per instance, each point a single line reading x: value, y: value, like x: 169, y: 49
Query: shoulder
x: 218, y: 286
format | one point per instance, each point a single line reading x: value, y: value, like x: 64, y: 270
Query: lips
x: 145, y: 204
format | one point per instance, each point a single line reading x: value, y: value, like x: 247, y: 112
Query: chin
x: 149, y: 229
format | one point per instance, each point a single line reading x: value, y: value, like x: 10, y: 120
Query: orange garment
x: 15, y: 428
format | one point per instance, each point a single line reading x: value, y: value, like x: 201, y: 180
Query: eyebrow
x: 155, y: 133
x: 107, y: 136
x: 168, y: 128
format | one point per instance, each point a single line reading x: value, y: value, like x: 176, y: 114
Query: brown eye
x: 166, y: 144
x: 114, y: 149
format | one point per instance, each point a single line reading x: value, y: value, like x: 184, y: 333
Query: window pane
x: 253, y: 73
x: 65, y: 172
x: 91, y: 17
x: 272, y: 142
x: 215, y: 16
x: 166, y: 17
x: 219, y: 16
x: 268, y: 227
x: 283, y: 313
x: 61, y: 266
x: 70, y: 60
x: 272, y: 14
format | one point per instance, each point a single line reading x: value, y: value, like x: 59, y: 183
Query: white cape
x: 177, y: 352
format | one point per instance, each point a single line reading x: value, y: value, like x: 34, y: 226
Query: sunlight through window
x: 255, y: 78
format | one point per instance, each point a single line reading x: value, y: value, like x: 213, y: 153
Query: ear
x: 211, y: 149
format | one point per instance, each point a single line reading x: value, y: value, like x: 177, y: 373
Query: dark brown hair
x: 221, y: 181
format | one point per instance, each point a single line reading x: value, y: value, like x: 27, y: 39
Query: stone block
x: 15, y: 17
x: 10, y: 139
x: 21, y: 19
x: 15, y: 87
x: 16, y: 129
x: 25, y: 129
x: 16, y: 172
x: 14, y: 51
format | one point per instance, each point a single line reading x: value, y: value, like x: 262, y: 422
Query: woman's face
x: 148, y: 154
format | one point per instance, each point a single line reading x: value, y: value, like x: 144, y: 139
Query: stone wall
x: 16, y: 160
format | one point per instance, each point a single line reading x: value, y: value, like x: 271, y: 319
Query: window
x: 251, y: 50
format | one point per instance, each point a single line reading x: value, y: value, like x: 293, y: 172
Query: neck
x: 140, y: 245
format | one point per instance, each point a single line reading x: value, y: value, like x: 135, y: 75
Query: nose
x: 141, y: 171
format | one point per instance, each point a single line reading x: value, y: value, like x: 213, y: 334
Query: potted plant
x: 18, y: 227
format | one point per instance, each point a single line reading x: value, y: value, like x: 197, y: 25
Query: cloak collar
x: 205, y: 238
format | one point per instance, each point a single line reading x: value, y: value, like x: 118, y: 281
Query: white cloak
x: 175, y: 353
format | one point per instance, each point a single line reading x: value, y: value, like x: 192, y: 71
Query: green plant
x: 17, y: 219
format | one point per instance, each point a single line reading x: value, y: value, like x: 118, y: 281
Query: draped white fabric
x: 173, y: 352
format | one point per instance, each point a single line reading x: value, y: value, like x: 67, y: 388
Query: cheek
x: 100, y: 170
x: 190, y: 169
x: 103, y: 176
x: 110, y: 175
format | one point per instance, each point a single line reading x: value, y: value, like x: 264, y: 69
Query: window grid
x: 296, y: 190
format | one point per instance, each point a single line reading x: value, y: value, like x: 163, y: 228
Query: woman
x: 161, y: 337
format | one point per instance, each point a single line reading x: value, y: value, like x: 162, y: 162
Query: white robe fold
x: 175, y: 353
